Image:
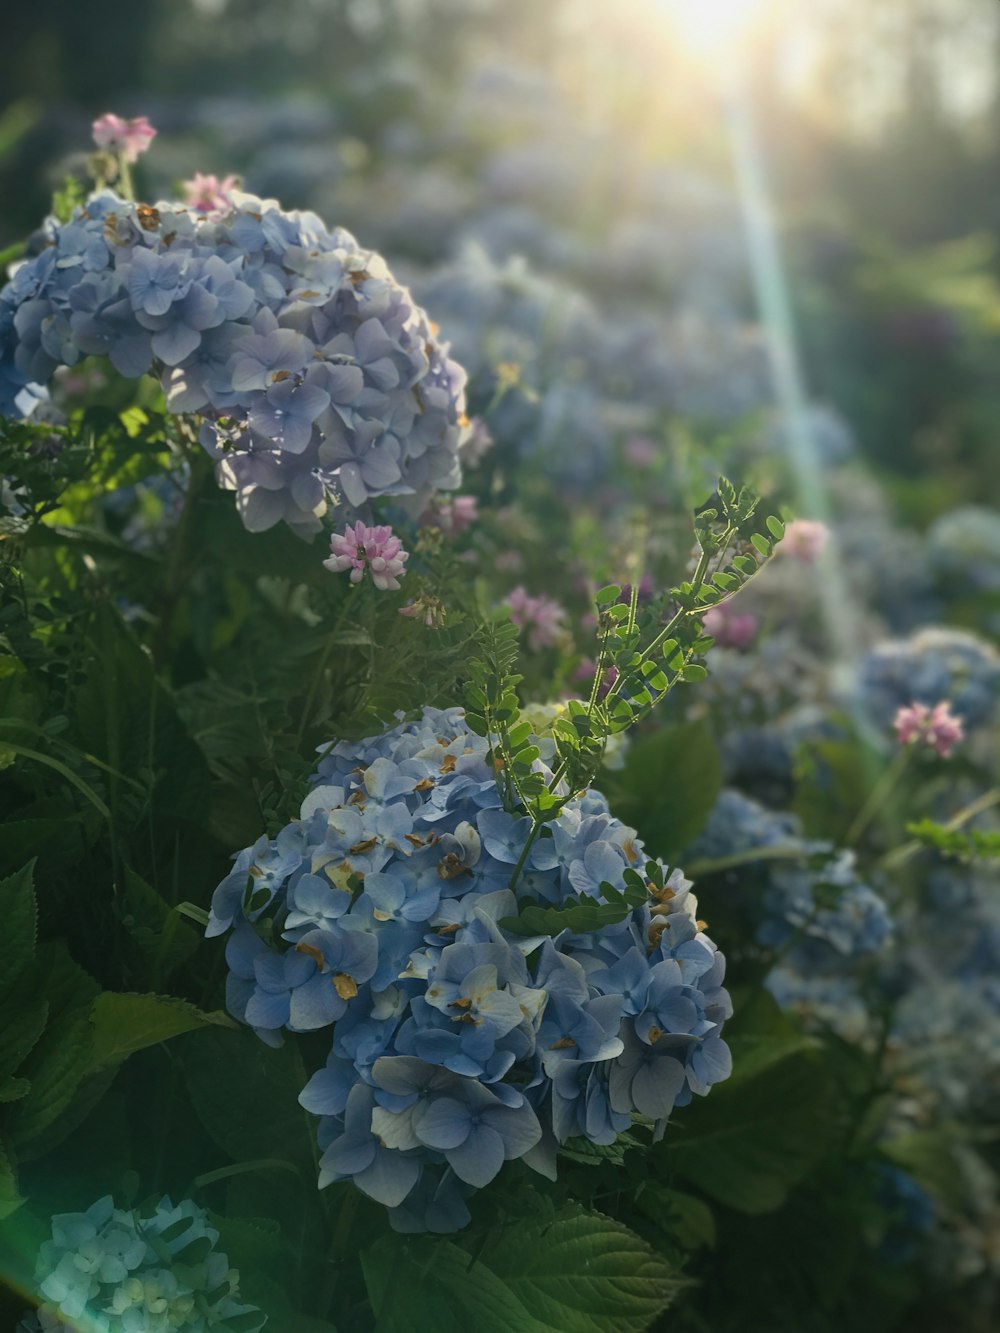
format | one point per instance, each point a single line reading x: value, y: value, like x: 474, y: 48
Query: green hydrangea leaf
x: 124, y: 1024
x: 20, y: 922
x: 567, y: 1272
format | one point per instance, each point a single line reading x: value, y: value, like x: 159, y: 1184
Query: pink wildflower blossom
x: 360, y: 547
x: 805, y: 539
x: 938, y: 726
x: 209, y: 195
x: 128, y: 137
x: 729, y: 628
x: 428, y: 609
x: 543, y: 618
x: 452, y: 515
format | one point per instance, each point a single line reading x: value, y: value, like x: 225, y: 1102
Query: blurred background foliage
x: 880, y: 125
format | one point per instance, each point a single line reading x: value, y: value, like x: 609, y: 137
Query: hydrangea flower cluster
x: 814, y: 892
x: 931, y: 665
x: 113, y: 1270
x: 314, y: 371
x: 457, y: 1044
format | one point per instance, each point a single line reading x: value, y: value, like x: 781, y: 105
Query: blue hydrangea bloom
x: 814, y: 893
x: 931, y: 665
x: 114, y: 1270
x: 456, y: 1044
x: 316, y: 375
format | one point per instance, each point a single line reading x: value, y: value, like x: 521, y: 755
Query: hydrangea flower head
x: 457, y: 1044
x: 314, y: 373
x: 119, y: 1271
x: 932, y: 665
x: 128, y: 137
x: 938, y: 726
x: 376, y: 549
x: 814, y: 892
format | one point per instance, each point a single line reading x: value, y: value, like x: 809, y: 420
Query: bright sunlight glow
x: 711, y: 26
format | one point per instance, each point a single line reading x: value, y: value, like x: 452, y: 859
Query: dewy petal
x: 390, y: 1178
x: 323, y: 1094
x: 353, y: 484
x: 132, y: 356
x: 260, y: 509
x: 349, y: 1154
x: 394, y: 1129
x: 519, y: 1127
x: 656, y: 1085
x: 479, y: 1158
x: 314, y: 1005
x: 442, y: 1123
x: 175, y: 342
x: 267, y: 1009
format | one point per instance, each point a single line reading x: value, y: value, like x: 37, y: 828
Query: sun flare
x: 711, y: 25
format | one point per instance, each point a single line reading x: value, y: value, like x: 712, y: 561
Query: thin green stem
x: 125, y: 187
x: 696, y: 582
x: 713, y: 865
x: 528, y: 844
x: 899, y: 855
x: 314, y: 684
x: 65, y: 772
x: 879, y: 794
x: 176, y: 579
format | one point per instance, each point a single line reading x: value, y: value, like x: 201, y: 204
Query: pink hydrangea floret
x: 544, y: 619
x: 731, y: 629
x: 805, y: 539
x: 128, y: 137
x: 359, y: 548
x: 209, y: 195
x: 938, y: 726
